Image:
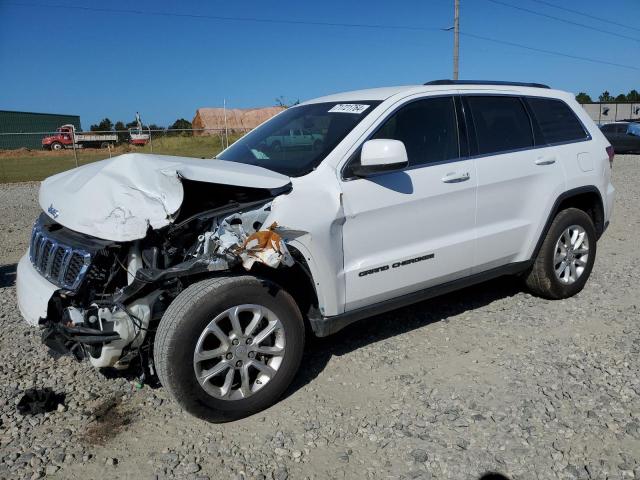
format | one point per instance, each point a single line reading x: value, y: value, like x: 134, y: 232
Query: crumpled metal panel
x: 237, y: 237
x: 120, y: 198
x: 265, y: 246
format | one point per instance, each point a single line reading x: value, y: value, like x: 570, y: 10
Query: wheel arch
x: 296, y: 280
x: 586, y: 198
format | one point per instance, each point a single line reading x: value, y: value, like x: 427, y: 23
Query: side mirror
x: 381, y: 156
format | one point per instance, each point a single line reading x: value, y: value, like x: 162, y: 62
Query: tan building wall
x: 602, y: 113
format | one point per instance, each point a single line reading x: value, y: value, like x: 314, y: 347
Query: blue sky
x: 99, y: 64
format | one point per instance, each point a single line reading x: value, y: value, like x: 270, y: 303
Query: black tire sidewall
x: 563, y: 220
x: 181, y: 345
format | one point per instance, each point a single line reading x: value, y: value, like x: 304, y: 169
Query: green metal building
x: 13, y: 126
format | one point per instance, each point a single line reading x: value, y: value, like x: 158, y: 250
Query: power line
x: 225, y: 18
x: 593, y: 17
x: 550, y: 52
x: 313, y: 23
x: 559, y: 19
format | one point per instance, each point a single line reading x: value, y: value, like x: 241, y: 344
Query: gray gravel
x: 486, y: 379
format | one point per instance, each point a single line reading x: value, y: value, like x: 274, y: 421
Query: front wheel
x: 56, y: 146
x: 566, y: 257
x: 229, y: 347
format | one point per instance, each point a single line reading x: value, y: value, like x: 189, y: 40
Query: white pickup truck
x: 212, y: 271
x: 294, y: 138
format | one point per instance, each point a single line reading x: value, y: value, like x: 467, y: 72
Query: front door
x: 408, y: 230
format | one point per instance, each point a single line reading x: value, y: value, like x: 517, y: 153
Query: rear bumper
x: 611, y: 196
x: 33, y: 292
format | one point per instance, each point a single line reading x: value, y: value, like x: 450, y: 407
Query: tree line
x: 632, y: 96
x: 106, y: 125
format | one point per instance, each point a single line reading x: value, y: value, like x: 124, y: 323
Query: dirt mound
x: 18, y: 152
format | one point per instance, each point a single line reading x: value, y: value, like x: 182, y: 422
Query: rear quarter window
x: 557, y: 122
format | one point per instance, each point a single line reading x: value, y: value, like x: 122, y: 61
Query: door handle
x: 546, y: 161
x: 456, y: 177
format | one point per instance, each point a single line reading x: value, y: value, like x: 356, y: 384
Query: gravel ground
x: 486, y: 379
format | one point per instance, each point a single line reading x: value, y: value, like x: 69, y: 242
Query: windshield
x: 297, y: 140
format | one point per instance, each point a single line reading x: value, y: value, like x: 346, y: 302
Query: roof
x: 369, y: 94
x: 486, y: 82
x: 384, y: 93
x: 40, y: 113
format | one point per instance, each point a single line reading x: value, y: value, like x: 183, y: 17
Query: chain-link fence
x: 37, y: 155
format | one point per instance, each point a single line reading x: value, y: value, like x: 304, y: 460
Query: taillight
x: 611, y: 152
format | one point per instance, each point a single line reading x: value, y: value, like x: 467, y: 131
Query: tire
x: 183, y: 329
x: 56, y: 146
x: 104, y: 145
x: 543, y: 280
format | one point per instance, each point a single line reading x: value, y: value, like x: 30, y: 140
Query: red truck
x: 65, y: 135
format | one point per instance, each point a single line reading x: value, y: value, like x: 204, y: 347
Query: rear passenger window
x: 502, y: 123
x: 428, y: 129
x: 557, y: 121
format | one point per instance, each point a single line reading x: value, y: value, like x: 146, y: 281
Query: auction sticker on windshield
x: 348, y: 108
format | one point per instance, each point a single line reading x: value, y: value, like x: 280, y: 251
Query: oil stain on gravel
x: 112, y: 417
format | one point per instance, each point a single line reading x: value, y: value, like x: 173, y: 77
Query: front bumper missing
x: 34, y: 293
x: 66, y: 339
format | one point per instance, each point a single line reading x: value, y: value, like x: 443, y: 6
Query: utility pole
x: 456, y: 37
x: 226, y: 130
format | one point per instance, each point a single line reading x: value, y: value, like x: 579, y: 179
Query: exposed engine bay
x: 112, y: 293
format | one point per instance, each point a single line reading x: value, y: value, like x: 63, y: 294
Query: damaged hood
x: 120, y: 198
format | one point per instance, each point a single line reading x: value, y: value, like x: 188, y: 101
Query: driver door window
x: 428, y: 129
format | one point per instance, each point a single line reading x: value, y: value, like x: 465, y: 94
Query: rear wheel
x: 104, y: 145
x: 566, y: 258
x: 229, y: 347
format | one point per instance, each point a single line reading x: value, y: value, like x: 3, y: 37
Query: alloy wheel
x: 571, y: 254
x: 239, y: 352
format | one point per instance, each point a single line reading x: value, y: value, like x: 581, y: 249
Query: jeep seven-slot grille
x: 60, y: 264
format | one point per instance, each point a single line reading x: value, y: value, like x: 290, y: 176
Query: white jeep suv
x: 211, y: 271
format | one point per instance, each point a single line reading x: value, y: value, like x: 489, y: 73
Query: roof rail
x: 486, y: 82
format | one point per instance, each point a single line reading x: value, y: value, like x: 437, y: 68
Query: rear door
x: 625, y: 139
x: 633, y: 132
x: 406, y: 231
x: 515, y: 180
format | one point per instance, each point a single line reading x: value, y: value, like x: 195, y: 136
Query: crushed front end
x: 101, y: 299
